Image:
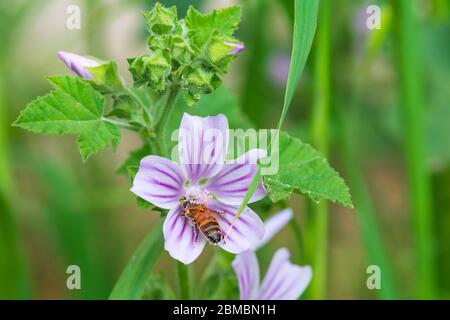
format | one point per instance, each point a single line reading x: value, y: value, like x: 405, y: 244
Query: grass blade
x: 13, y: 277
x: 73, y: 228
x: 366, y: 213
x: 133, y: 279
x: 318, y: 217
x: 305, y: 23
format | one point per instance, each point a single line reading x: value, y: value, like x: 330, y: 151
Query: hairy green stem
x: 134, y: 96
x: 121, y: 124
x: 183, y: 281
x: 164, y: 117
x: 412, y: 108
x: 318, y: 218
x: 297, y: 233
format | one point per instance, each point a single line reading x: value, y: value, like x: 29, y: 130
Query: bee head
x: 184, y: 202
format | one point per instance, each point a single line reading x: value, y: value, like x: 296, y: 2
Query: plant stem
x: 414, y: 141
x: 121, y: 124
x: 297, y: 233
x: 164, y: 116
x: 366, y: 213
x: 134, y: 96
x: 319, y: 215
x: 348, y: 124
x: 183, y: 281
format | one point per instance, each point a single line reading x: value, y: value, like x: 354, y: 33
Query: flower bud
x: 237, y: 47
x: 78, y: 64
x: 161, y: 20
x: 152, y: 70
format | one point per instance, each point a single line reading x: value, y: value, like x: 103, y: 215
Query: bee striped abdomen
x: 209, y: 226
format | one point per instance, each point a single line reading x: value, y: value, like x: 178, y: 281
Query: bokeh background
x: 375, y: 101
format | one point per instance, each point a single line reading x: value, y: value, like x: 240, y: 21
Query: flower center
x: 198, y: 194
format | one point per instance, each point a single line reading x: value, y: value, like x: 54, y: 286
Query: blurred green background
x: 375, y: 101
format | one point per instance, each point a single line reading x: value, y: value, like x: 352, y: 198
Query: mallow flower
x: 78, y: 64
x: 283, y: 280
x: 202, y: 176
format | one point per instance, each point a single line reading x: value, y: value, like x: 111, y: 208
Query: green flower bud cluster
x: 192, y: 53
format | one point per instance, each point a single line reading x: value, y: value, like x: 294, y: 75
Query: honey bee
x: 203, y: 219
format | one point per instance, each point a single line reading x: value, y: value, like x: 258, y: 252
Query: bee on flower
x: 203, y: 191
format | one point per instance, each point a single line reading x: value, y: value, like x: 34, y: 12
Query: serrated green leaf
x: 93, y: 141
x: 74, y: 107
x: 303, y: 169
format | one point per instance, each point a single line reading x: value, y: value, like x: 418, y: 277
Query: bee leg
x: 223, y: 237
x: 196, y: 236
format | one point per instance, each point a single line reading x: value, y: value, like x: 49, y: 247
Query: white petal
x: 203, y: 144
x: 231, y: 184
x: 182, y: 240
x: 242, y: 234
x: 284, y: 280
x: 159, y: 181
x: 246, y: 267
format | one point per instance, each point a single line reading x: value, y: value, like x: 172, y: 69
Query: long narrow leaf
x: 132, y: 281
x: 366, y: 214
x: 305, y: 23
x: 412, y: 108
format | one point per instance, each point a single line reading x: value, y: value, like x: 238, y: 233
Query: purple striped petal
x: 230, y: 185
x: 181, y: 239
x: 246, y: 267
x: 202, y: 144
x: 241, y: 234
x: 274, y: 224
x: 159, y: 181
x: 78, y: 64
x: 284, y: 280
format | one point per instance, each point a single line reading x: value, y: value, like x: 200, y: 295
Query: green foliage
x: 161, y: 20
x: 106, y: 78
x: 134, y: 158
x: 193, y: 52
x: 73, y: 107
x: 220, y: 23
x: 154, y: 68
x: 158, y: 288
x: 302, y: 169
x: 132, y: 282
x: 218, y: 281
x: 305, y: 23
x: 73, y: 227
